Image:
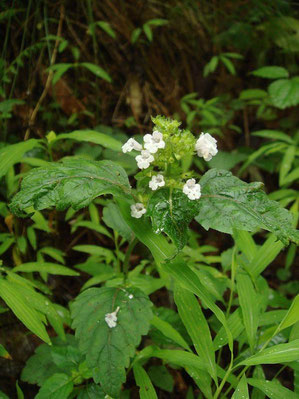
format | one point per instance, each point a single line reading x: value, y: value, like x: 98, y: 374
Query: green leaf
x: 167, y: 329
x: 258, y: 373
x: 251, y: 94
x: 228, y: 64
x: 3, y: 396
x: 271, y: 72
x: 197, y: 327
x: 58, y: 386
x: 272, y: 389
x: 286, y: 163
x: 72, y: 183
x: 161, y: 377
x: 28, y: 316
x: 228, y: 203
x: 59, y: 70
x: 249, y: 306
x: 96, y: 70
x: 19, y: 391
x: 264, y: 256
x: 62, y: 356
x: 114, y: 219
x: 235, y: 325
x: 4, y: 353
x: 276, y: 354
x: 148, y: 32
x: 171, y: 212
x: 292, y: 315
x: 106, y: 28
x: 274, y: 135
x: 135, y: 35
x: 285, y: 92
x: 245, y: 243
x: 91, y: 136
x: 12, y: 154
x: 92, y: 391
x: 38, y: 301
x: 147, y: 391
x: 241, y: 391
x: 108, y: 350
x: 189, y: 280
x: 157, y: 243
x: 46, y: 267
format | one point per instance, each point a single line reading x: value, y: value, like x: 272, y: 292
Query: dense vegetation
x: 173, y: 276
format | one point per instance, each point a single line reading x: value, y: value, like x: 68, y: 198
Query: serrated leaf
x: 147, y: 391
x: 171, y: 212
x: 228, y: 203
x: 272, y: 389
x: 271, y: 72
x: 62, y: 356
x: 276, y: 354
x: 58, y: 386
x: 108, y: 350
x: 72, y: 183
x: 285, y: 92
x: 28, y: 316
x: 12, y: 154
x: 92, y: 391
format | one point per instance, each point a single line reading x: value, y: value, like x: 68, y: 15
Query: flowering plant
x: 109, y: 321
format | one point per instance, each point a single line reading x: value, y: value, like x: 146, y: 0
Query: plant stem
x: 127, y: 256
x: 219, y: 389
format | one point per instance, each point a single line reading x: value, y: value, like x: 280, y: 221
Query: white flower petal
x: 130, y: 145
x: 206, y: 146
x: 192, y: 189
x: 156, y: 182
x: 137, y: 210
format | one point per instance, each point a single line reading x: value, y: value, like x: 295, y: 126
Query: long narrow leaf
x: 147, y: 391
x: 249, y: 306
x: 28, y: 316
x: 197, y: 327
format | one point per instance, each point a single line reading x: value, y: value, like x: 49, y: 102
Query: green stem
x: 219, y: 389
x: 117, y: 252
x: 127, y: 256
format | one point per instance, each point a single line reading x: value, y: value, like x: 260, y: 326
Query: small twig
x: 49, y: 78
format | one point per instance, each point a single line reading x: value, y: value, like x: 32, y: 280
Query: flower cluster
x: 162, y: 151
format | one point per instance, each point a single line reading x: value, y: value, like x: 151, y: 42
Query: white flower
x: 137, y: 210
x: 144, y: 160
x: 206, y: 146
x: 192, y: 189
x: 111, y: 318
x: 130, y: 145
x: 156, y: 182
x: 154, y: 141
